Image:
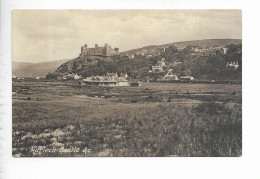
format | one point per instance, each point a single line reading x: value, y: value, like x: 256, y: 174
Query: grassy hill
x: 23, y: 69
x: 206, y: 68
x: 200, y: 67
x: 202, y: 43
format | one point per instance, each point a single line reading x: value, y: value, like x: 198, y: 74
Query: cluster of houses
x: 110, y: 79
x: 147, y: 53
x: 232, y: 65
x: 170, y: 76
x: 15, y: 77
x: 158, y: 68
x: 208, y: 51
x: 70, y: 76
x: 135, y: 55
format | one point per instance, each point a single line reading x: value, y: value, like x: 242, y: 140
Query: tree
x: 186, y: 72
x: 172, y: 49
x: 187, y: 49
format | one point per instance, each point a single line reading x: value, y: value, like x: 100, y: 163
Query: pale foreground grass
x: 166, y: 129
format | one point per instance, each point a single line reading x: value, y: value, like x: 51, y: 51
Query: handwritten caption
x: 40, y: 149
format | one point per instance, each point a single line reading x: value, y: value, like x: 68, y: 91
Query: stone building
x: 157, y: 69
x: 209, y: 51
x: 99, y: 51
x: 232, y: 65
x: 223, y: 50
x: 110, y: 79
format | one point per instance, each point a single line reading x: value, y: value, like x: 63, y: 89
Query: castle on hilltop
x: 98, y: 51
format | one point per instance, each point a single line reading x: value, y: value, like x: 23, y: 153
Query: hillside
x: 23, y: 69
x: 199, y: 66
x: 202, y: 43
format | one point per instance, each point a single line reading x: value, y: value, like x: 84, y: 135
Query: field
x: 62, y: 118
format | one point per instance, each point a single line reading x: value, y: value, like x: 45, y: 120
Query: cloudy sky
x: 47, y: 35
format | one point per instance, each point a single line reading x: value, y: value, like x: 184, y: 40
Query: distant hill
x: 202, y: 43
x: 23, y: 69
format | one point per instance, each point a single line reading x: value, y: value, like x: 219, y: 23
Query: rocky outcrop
x: 80, y: 65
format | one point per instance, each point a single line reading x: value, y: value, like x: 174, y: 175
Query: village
x: 161, y: 71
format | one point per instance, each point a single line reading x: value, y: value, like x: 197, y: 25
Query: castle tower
x: 83, y: 50
x: 106, y: 50
x: 116, y: 50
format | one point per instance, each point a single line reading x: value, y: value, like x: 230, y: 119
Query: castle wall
x: 91, y: 51
x: 101, y: 51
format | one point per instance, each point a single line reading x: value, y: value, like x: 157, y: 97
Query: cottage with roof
x: 110, y: 79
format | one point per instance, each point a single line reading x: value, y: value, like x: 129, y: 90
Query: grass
x: 71, y: 116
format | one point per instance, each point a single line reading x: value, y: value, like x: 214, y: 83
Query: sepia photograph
x: 126, y: 83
